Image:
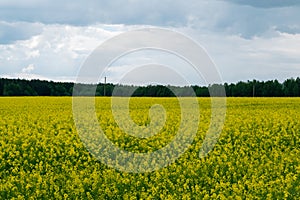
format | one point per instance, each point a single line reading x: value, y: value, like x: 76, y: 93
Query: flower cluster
x: 256, y: 157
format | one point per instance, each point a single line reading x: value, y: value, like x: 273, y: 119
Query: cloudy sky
x: 257, y: 39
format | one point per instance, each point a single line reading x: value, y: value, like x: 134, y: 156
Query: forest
x: 270, y: 88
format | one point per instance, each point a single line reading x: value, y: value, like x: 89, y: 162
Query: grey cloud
x: 249, y: 22
x: 223, y: 16
x: 290, y: 29
x: 10, y: 32
x: 84, y: 12
x: 267, y: 3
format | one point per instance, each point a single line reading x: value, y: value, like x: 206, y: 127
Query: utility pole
x: 104, y: 91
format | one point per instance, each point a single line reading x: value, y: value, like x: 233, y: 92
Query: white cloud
x: 26, y: 76
x: 245, y: 39
x: 259, y: 58
x: 59, y: 51
x: 28, y: 69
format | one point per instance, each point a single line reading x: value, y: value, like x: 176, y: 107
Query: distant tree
x: 12, y: 89
x: 58, y: 90
x: 242, y: 89
x: 291, y: 88
x: 217, y: 90
x: 298, y: 86
x: 1, y: 86
x: 271, y: 88
x: 201, y: 91
x: 42, y: 88
x: 277, y: 88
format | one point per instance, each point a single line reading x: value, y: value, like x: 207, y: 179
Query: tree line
x: 271, y: 88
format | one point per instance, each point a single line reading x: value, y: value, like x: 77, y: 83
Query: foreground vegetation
x: 256, y: 157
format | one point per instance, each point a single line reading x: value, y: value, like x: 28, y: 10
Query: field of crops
x: 257, y: 155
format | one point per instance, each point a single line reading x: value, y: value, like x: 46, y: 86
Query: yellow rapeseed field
x: 257, y: 155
